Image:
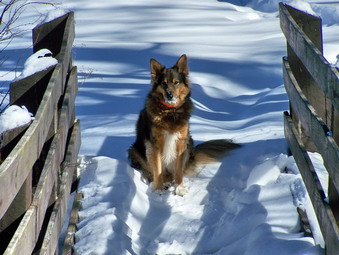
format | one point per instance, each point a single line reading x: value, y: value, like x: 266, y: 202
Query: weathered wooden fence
x: 39, y: 160
x: 312, y: 85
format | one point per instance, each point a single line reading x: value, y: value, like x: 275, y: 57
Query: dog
x: 163, y: 149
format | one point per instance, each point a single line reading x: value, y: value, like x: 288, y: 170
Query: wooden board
x: 67, y: 113
x: 57, y: 36
x: 27, y: 231
x: 74, y: 219
x: 312, y: 92
x: 18, y: 207
x: 65, y: 54
x: 27, y: 91
x: 15, y: 169
x: 9, y: 135
x: 324, y: 214
x: 57, y: 218
x: 314, y: 125
x: 326, y: 76
x: 10, y: 138
x: 311, y: 25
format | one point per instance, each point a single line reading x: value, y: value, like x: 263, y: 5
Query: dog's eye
x: 177, y: 83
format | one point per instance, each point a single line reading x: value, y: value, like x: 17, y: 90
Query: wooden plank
x: 19, y: 206
x: 9, y: 135
x: 324, y: 214
x: 35, y: 216
x: 15, y: 169
x: 27, y: 231
x: 68, y: 106
x: 9, y: 139
x: 335, y: 127
x: 316, y: 128
x: 48, y: 35
x: 307, y: 85
x: 74, y: 219
x: 323, y: 73
x: 311, y: 25
x: 23, y: 199
x: 65, y: 54
x: 28, y: 90
x: 59, y: 212
x: 66, y: 114
x: 312, y: 92
x: 57, y: 36
x: 333, y: 199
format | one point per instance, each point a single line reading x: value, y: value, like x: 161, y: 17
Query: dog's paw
x: 153, y: 189
x: 180, y: 190
x: 167, y: 186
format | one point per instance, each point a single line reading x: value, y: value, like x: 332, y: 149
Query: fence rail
x: 39, y: 161
x: 312, y: 85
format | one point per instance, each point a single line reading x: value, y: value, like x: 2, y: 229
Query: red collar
x: 166, y: 104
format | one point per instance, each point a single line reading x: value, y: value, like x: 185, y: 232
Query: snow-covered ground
x: 244, y: 205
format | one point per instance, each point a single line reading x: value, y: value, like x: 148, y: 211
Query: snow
x: 216, y: 216
x: 14, y: 116
x: 245, y: 205
x: 39, y: 61
x: 322, y: 173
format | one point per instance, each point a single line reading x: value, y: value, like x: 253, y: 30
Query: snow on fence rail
x: 39, y: 160
x: 312, y: 85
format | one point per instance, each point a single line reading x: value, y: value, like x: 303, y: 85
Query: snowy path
x: 246, y: 205
x: 122, y: 216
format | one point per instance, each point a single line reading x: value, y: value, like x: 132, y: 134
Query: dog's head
x: 170, y: 85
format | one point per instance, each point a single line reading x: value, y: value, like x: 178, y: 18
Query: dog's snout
x: 169, y: 94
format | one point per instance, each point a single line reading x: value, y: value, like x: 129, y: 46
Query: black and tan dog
x: 163, y: 149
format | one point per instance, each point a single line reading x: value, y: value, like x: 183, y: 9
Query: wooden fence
x: 39, y: 160
x: 312, y: 85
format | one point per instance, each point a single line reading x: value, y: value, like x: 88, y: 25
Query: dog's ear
x: 156, y: 68
x: 181, y: 65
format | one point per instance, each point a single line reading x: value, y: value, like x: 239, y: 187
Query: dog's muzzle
x: 170, y: 98
x: 169, y: 94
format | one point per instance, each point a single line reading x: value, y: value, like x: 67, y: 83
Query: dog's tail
x: 208, y: 152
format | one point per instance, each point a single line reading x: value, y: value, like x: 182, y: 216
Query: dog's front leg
x: 180, y: 163
x: 154, y: 159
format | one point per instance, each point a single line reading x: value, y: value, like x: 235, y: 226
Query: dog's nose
x: 169, y: 94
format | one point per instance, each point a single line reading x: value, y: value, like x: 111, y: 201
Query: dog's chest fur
x: 170, y: 147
